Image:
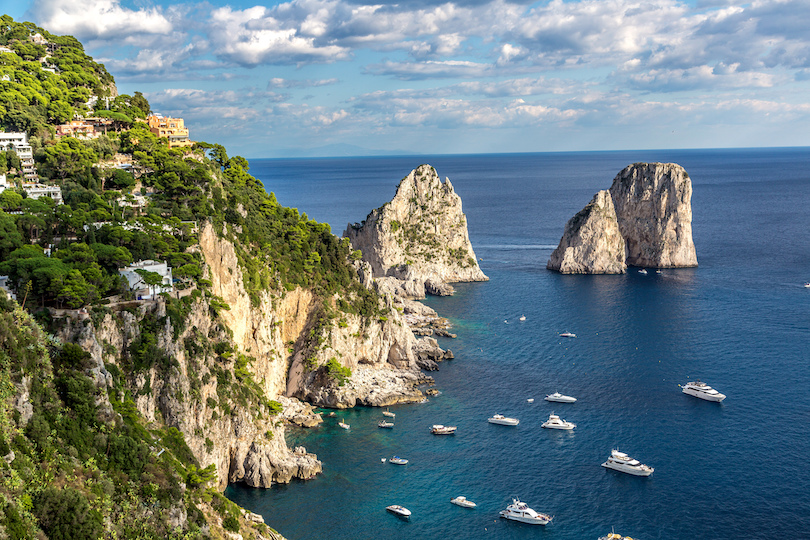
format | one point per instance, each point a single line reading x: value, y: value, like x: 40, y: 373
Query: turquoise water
x: 740, y: 321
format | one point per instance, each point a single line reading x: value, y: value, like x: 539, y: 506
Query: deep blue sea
x: 740, y: 322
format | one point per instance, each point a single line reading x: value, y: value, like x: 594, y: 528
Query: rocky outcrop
x: 418, y: 242
x: 645, y: 219
x: 591, y: 243
x: 654, y: 211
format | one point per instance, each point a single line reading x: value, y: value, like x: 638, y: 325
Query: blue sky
x: 470, y: 76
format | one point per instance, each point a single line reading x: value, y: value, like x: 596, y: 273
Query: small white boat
x: 384, y: 424
x: 568, y: 334
x: 382, y: 460
x: 530, y: 400
x: 643, y: 272
x: 438, y: 429
x: 503, y: 420
x: 522, y: 318
x: 703, y: 391
x: 559, y: 398
x: 396, y: 460
x: 555, y: 422
x: 399, y: 510
x: 462, y: 501
x: 520, y: 511
x: 658, y: 272
x: 388, y: 413
x: 807, y: 285
x: 344, y: 425
x: 619, y: 461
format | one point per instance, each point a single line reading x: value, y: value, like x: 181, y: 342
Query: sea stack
x: 649, y: 205
x: 591, y: 243
x: 418, y: 242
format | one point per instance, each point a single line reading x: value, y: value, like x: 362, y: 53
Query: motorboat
x: 396, y: 460
x: 568, y: 334
x: 807, y: 285
x: 462, y: 501
x: 399, y: 510
x: 520, y: 511
x: 384, y: 424
x: 438, y: 429
x: 522, y: 318
x: 619, y: 461
x: 703, y: 391
x: 503, y: 420
x: 643, y: 271
x: 555, y: 422
x: 559, y: 398
x: 344, y: 425
x: 658, y: 272
x: 530, y: 400
x: 388, y: 413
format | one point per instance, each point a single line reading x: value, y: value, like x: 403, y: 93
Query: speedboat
x: 555, y: 422
x: 462, y: 501
x: 643, y: 271
x: 619, y: 461
x: 530, y: 400
x: 438, y: 429
x: 559, y: 398
x: 388, y: 413
x: 344, y: 425
x: 568, y: 334
x: 399, y: 510
x: 384, y: 424
x: 703, y: 391
x: 503, y: 420
x: 520, y: 511
x: 396, y: 460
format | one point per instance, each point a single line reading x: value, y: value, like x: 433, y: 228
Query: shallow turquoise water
x: 741, y: 322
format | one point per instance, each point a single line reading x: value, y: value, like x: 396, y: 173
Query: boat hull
x: 464, y: 503
x: 399, y: 511
x: 561, y: 399
x: 716, y: 398
x: 567, y: 426
x: 504, y: 421
x: 628, y: 470
x: 524, y: 519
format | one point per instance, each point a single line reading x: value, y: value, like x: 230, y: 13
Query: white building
x: 4, y: 287
x: 35, y: 191
x: 139, y: 286
x: 18, y: 141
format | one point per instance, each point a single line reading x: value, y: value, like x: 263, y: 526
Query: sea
x: 740, y: 321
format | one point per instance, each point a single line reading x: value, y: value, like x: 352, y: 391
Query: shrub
x: 65, y: 514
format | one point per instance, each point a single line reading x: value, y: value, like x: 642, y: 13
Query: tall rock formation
x: 645, y: 221
x: 591, y: 243
x: 654, y: 210
x: 419, y: 239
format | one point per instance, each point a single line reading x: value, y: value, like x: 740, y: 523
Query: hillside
x: 126, y: 411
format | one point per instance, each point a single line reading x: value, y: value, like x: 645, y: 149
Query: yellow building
x: 170, y: 128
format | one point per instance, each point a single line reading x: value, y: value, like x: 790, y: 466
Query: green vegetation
x: 337, y: 372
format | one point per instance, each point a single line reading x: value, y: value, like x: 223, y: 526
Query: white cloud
x: 98, y: 19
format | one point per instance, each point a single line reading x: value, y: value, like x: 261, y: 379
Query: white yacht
x: 530, y: 400
x: 703, y: 391
x: 643, y: 271
x: 522, y: 318
x: 555, y: 422
x: 559, y: 398
x: 568, y: 334
x: 438, y: 429
x: 384, y: 424
x: 399, y: 510
x: 520, y: 511
x: 396, y: 460
x: 344, y: 425
x: 503, y: 420
x: 619, y: 461
x: 388, y: 413
x: 462, y: 501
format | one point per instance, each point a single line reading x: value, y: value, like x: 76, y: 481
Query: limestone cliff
x: 654, y: 211
x: 591, y: 243
x: 419, y: 239
x: 645, y: 219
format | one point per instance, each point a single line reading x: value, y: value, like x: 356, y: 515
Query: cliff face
x: 654, y: 211
x: 419, y: 238
x: 591, y: 243
x: 645, y: 219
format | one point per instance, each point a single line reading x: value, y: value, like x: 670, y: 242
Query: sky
x: 299, y: 77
